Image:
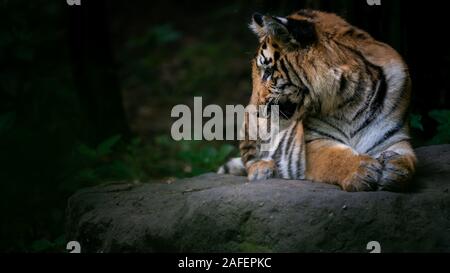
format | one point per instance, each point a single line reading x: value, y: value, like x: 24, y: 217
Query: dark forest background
x: 86, y: 91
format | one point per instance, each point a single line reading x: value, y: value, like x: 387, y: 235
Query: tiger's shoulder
x: 330, y: 26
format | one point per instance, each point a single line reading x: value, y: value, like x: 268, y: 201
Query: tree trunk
x: 94, y: 71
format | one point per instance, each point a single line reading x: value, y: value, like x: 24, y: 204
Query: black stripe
x: 302, y: 90
x: 359, y: 54
x: 318, y: 105
x: 302, y: 97
x: 294, y: 72
x: 277, y: 154
x: 371, y: 96
x: 246, y: 145
x: 356, y: 95
x: 247, y: 157
x: 284, y: 145
x: 290, y: 148
x: 343, y: 84
x: 284, y: 69
x: 367, y: 98
x: 324, y: 134
x: 347, y: 101
x: 381, y: 92
x: 376, y: 104
x: 364, y: 106
x: 388, y: 135
x: 289, y: 140
x: 333, y: 126
x: 276, y: 56
x: 379, y: 99
x: 262, y: 53
x: 226, y: 168
x: 300, y: 162
x: 264, y: 154
x: 398, y: 99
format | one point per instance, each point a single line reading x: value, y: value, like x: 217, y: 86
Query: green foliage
x: 164, y: 157
x: 89, y: 166
x: 416, y: 122
x: 200, y: 158
x: 105, y: 148
x: 425, y: 133
x: 442, y: 117
x: 135, y: 160
x: 44, y: 245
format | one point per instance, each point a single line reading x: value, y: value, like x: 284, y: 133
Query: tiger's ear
x: 302, y: 31
x: 287, y: 31
x: 257, y: 25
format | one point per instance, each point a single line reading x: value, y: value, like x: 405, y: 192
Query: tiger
x: 343, y: 99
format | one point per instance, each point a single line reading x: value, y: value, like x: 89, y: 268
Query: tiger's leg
x: 234, y: 167
x: 257, y: 169
x: 249, y: 164
x: 335, y: 163
x: 398, y: 163
x: 261, y: 170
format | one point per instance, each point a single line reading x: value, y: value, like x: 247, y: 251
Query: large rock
x: 224, y: 213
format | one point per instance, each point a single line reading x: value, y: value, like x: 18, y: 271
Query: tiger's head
x: 301, y: 62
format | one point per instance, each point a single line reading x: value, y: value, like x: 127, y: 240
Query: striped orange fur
x: 343, y: 97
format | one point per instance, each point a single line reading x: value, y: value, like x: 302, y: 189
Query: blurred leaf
x: 416, y: 121
x: 105, y: 148
x: 163, y: 140
x: 41, y: 245
x: 115, y: 170
x: 443, y: 130
x: 44, y: 245
x: 225, y: 151
x: 441, y: 116
x: 165, y: 34
x: 86, y: 152
x: 60, y: 242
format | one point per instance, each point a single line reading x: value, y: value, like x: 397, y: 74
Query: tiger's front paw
x: 365, y: 177
x: 396, y: 171
x: 261, y: 170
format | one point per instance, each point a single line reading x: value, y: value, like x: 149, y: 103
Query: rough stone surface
x: 217, y: 213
